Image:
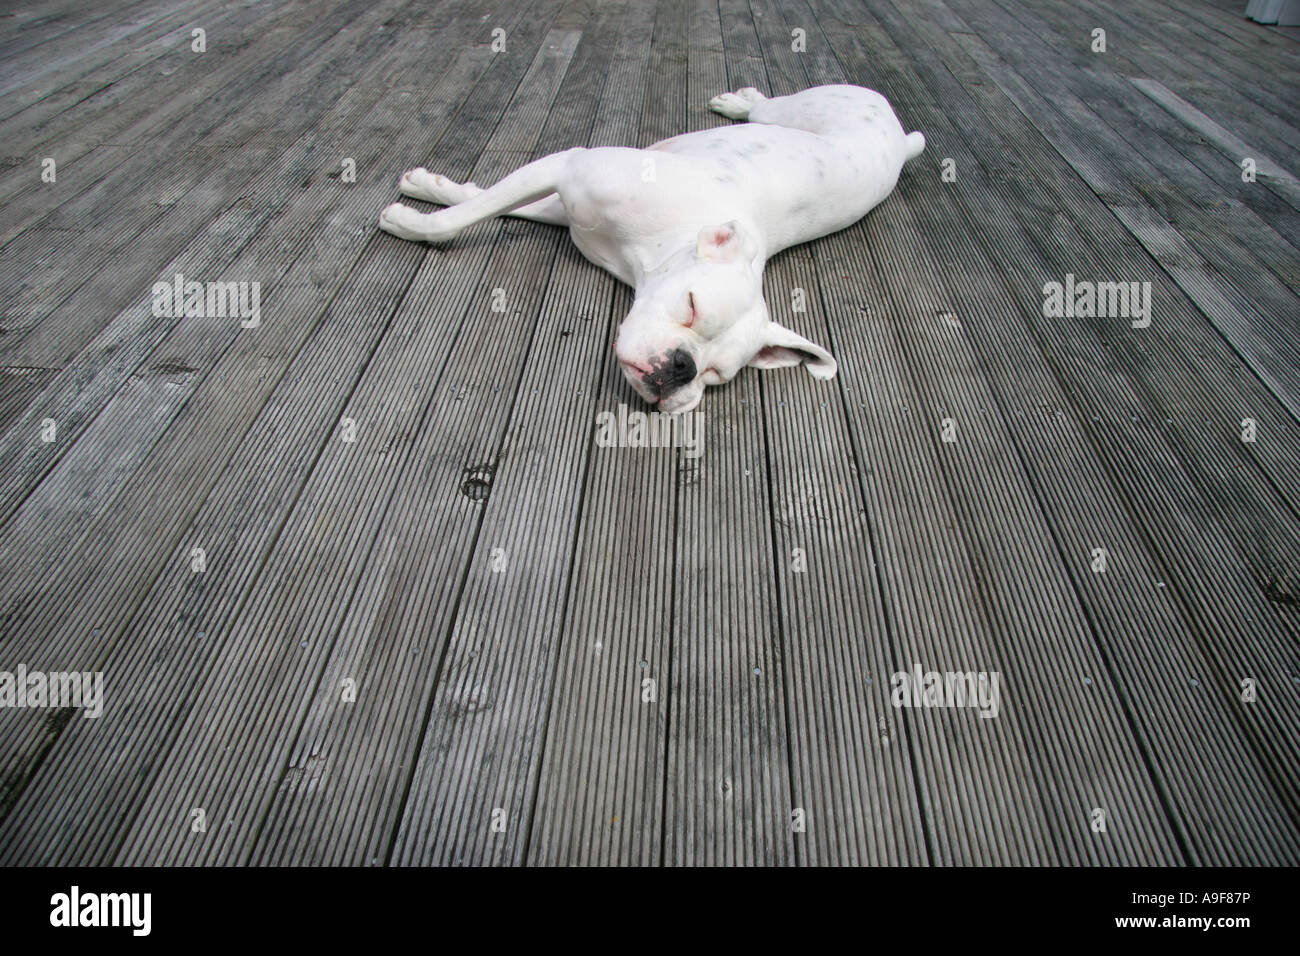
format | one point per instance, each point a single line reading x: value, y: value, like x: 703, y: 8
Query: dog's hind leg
x: 549, y: 210
x: 526, y: 185
x: 419, y: 183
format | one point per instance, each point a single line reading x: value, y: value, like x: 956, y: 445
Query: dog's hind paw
x: 419, y: 183
x: 732, y: 105
x: 407, y: 223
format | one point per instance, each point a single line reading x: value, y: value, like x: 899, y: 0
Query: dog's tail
x: 915, y: 144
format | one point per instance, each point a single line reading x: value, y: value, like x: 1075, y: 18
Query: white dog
x: 690, y: 222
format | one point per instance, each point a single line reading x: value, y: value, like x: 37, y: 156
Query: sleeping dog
x: 691, y: 221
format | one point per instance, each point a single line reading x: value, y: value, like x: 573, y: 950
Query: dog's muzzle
x: 661, y: 375
x: 675, y: 370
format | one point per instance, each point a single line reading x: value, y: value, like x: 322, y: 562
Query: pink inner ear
x: 721, y: 236
x: 776, y: 356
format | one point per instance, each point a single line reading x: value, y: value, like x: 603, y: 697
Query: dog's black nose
x: 676, y: 370
x: 682, y: 365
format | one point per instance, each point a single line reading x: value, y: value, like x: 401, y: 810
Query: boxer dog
x: 691, y: 221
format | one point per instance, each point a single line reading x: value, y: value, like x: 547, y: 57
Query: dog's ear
x: 722, y: 243
x: 783, y: 347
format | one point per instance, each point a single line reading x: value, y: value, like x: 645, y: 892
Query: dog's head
x: 703, y: 320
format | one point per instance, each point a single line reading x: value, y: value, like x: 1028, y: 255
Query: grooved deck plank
x: 306, y: 354
x: 1186, y: 348
x: 387, y: 432
x: 478, y: 635
x: 1120, y: 607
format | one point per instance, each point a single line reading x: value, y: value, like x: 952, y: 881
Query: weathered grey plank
x: 1063, y: 21
x: 386, y: 439
x: 75, y: 487
x: 27, y: 59
x: 474, y: 775
x: 86, y: 384
x: 1257, y: 327
x: 1172, y: 183
x: 850, y: 753
x: 1252, y: 101
x: 727, y: 792
x: 1282, y: 182
x: 18, y: 386
x: 980, y: 800
x: 501, y: 589
x: 218, y: 415
x: 36, y: 105
x: 1151, y: 465
x: 92, y: 140
x: 1179, y: 396
x: 851, y: 758
x: 41, y: 266
x: 600, y: 779
x: 25, y: 28
x: 1252, y: 45
x: 489, y: 470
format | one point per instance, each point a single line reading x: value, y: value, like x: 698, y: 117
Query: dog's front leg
x: 524, y: 186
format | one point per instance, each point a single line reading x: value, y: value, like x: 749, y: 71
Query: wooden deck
x: 472, y: 634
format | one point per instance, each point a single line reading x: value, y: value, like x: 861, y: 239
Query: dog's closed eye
x: 690, y: 301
